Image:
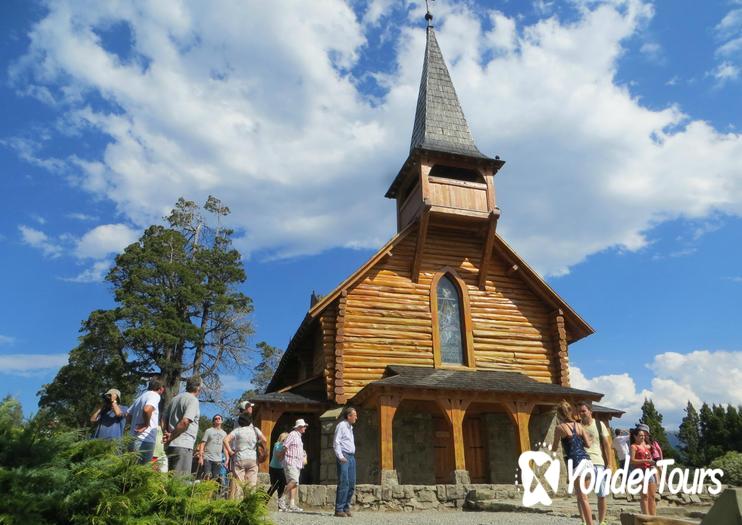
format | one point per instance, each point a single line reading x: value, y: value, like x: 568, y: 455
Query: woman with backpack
x: 241, y: 447
x: 574, y: 441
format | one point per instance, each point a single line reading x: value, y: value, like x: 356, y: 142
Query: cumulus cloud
x: 95, y: 273
x: 701, y: 376
x: 105, y: 239
x: 41, y: 241
x: 218, y: 100
x: 30, y: 364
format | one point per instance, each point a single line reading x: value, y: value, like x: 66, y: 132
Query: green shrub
x: 60, y: 477
x: 731, y: 464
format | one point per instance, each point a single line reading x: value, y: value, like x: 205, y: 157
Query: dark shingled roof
x: 440, y: 124
x: 286, y: 397
x: 475, y: 380
x: 607, y: 410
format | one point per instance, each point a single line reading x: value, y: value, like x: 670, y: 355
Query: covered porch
x: 436, y: 426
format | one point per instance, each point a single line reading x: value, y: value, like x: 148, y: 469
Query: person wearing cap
x: 293, y: 461
x: 110, y: 416
x: 246, y: 407
x: 641, y: 459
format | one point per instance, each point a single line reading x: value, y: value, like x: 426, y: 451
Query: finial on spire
x: 428, y: 15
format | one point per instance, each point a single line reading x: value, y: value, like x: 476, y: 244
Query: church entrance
x: 475, y: 450
x: 443, y: 451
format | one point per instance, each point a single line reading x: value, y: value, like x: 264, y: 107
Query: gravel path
x: 422, y: 518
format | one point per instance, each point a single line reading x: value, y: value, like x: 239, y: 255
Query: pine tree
x: 705, y: 415
x: 652, y: 418
x: 691, y: 437
x: 270, y: 356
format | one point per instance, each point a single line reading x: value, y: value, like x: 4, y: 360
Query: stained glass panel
x: 449, y: 322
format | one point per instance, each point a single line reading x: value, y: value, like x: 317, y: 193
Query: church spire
x: 440, y: 124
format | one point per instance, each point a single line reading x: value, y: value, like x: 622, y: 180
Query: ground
x: 422, y: 518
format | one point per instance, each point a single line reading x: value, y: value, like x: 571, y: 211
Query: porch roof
x: 479, y: 381
x: 287, y: 398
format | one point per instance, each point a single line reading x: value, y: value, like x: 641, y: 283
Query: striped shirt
x: 343, y: 443
x: 294, y: 456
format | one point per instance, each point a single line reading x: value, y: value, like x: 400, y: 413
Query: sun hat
x: 114, y: 391
x: 300, y: 423
x: 643, y: 427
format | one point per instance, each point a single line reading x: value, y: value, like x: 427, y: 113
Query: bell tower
x: 445, y: 179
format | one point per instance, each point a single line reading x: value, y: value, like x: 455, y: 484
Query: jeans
x: 346, y: 483
x: 145, y: 449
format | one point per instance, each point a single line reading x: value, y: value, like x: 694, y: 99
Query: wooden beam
x: 422, y: 234
x: 454, y: 409
x: 268, y: 419
x: 560, y: 353
x: 489, y: 243
x: 520, y: 413
x: 387, y: 408
x: 309, y: 379
x: 340, y: 397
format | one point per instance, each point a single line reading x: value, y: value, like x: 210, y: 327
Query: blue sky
x: 619, y: 121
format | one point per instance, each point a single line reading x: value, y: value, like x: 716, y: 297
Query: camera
x: 107, y: 398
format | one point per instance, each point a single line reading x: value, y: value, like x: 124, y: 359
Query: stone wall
x: 414, y: 456
x: 502, y: 447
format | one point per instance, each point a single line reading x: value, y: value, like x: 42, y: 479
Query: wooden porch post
x: 455, y: 409
x: 268, y: 419
x: 520, y: 413
x: 387, y: 407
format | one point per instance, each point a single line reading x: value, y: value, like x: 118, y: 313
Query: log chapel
x: 451, y: 347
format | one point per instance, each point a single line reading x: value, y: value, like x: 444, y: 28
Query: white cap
x: 300, y: 423
x: 244, y: 404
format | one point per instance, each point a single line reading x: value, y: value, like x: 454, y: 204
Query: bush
x: 59, y: 477
x: 731, y: 464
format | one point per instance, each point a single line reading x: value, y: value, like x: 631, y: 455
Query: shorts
x: 145, y: 449
x: 292, y: 474
x: 601, y: 485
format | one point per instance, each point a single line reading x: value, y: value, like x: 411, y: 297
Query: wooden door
x: 475, y: 450
x: 443, y: 450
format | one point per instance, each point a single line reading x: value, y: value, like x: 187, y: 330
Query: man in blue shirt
x: 110, y: 416
x: 345, y: 452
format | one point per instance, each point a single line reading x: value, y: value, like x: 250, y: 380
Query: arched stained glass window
x: 449, y: 322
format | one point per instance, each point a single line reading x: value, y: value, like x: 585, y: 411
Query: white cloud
x: 39, y: 240
x: 30, y: 364
x: 699, y: 377
x: 725, y: 72
x: 232, y: 383
x: 105, y: 239
x: 82, y: 216
x: 218, y: 100
x: 93, y: 274
x: 6, y: 340
x: 653, y: 51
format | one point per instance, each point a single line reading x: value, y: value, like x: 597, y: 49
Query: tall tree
x: 180, y: 312
x: 98, y: 363
x: 690, y: 435
x: 263, y: 372
x: 652, y: 417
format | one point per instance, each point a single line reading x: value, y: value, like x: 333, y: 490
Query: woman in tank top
x: 641, y: 458
x: 574, y: 441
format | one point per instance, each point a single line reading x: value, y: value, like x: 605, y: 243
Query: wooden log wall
x: 388, y: 319
x: 327, y: 348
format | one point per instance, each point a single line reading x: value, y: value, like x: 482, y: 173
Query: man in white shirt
x: 345, y: 452
x: 621, y: 445
x: 144, y: 415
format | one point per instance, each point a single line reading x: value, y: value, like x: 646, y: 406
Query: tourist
x: 159, y: 458
x: 275, y: 470
x: 180, y: 424
x: 144, y: 415
x: 621, y: 446
x: 598, y: 453
x: 246, y: 407
x: 345, y: 453
x: 210, y: 450
x: 109, y: 416
x: 574, y: 442
x: 240, y: 449
x: 641, y: 458
x: 294, y: 459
